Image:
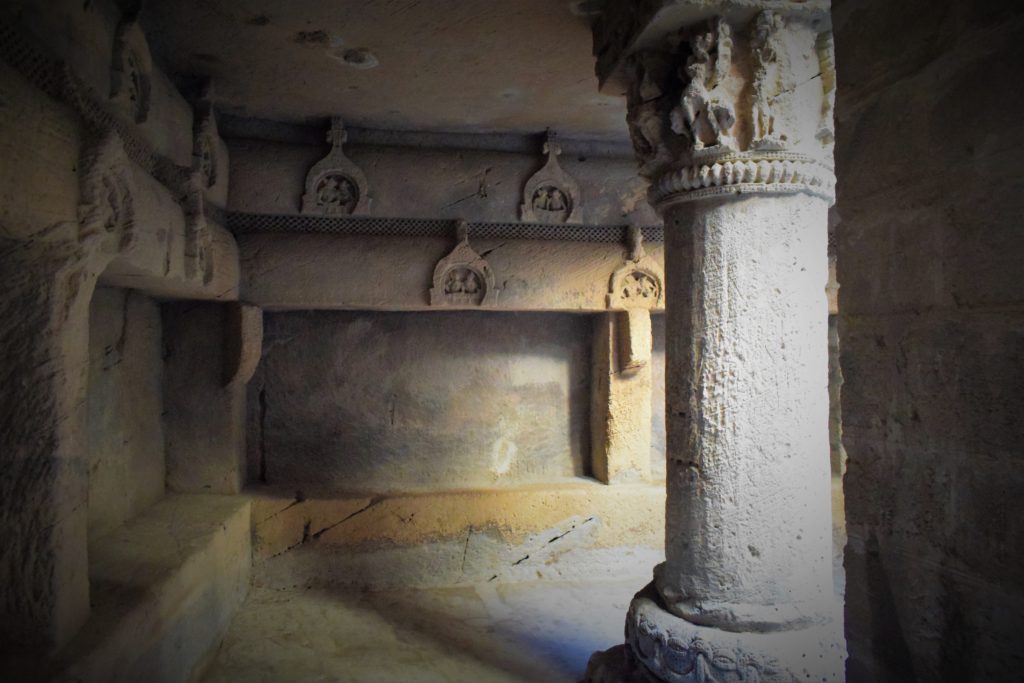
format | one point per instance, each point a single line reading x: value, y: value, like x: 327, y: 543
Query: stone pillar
x: 621, y: 408
x: 731, y: 118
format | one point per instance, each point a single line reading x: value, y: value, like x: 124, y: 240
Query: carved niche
x: 463, y: 277
x: 551, y: 195
x: 638, y: 283
x: 335, y: 186
x: 105, y: 211
x: 131, y: 70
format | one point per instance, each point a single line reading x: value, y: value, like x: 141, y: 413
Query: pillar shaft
x: 748, y: 536
x: 730, y: 116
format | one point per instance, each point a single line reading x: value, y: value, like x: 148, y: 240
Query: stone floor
x: 532, y: 632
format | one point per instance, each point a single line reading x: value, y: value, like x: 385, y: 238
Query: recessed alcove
x: 472, y: 399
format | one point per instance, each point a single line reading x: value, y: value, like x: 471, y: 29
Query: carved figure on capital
x: 463, y: 277
x: 765, y: 50
x: 335, y: 186
x: 646, y: 116
x: 551, y: 195
x: 705, y: 114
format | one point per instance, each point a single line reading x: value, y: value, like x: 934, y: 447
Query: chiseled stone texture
x: 932, y: 326
x: 126, y: 434
x: 400, y: 401
x: 44, y: 318
x: 748, y: 451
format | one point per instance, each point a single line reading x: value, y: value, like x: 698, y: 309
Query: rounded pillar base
x: 661, y: 647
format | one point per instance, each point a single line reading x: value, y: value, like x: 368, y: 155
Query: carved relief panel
x: 551, y: 195
x: 638, y: 283
x: 735, y: 107
x: 335, y: 186
x: 463, y: 277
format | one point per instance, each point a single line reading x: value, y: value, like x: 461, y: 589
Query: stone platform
x: 578, y: 530
x: 163, y: 589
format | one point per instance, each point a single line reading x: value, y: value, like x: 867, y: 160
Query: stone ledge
x: 164, y: 587
x: 550, y: 532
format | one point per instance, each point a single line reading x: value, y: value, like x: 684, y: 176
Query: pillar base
x: 663, y: 648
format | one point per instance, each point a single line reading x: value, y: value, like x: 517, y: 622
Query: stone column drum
x: 731, y: 118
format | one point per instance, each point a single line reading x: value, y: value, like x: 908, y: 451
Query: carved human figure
x: 639, y: 285
x: 336, y: 194
x: 765, y: 50
x: 549, y: 198
x: 705, y: 115
x: 471, y: 284
x: 645, y: 115
x: 462, y: 283
x: 541, y: 200
x: 556, y: 200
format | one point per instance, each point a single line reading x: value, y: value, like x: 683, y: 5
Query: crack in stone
x: 307, y: 536
x: 465, y: 551
x: 571, y: 529
x: 484, y: 254
x: 374, y: 501
x: 299, y: 498
x: 481, y: 191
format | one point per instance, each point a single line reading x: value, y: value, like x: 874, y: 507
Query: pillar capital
x: 724, y: 98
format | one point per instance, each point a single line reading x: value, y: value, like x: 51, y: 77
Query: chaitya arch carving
x: 335, y: 186
x: 640, y: 282
x: 551, y: 195
x: 463, y: 277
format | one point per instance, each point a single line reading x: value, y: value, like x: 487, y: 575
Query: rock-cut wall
x: 126, y: 435
x: 929, y: 141
x: 372, y: 401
